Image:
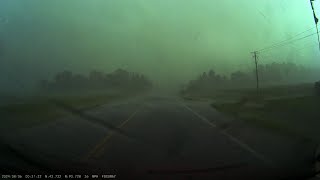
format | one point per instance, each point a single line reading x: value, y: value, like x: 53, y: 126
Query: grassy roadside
x: 270, y: 92
x: 39, y: 109
x: 294, y: 116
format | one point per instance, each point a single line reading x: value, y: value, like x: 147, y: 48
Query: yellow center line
x: 102, y: 143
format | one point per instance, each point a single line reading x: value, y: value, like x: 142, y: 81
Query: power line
x: 283, y: 41
x: 286, y: 43
x: 303, y: 46
x: 292, y: 41
x: 311, y: 45
x: 280, y: 55
x: 296, y: 49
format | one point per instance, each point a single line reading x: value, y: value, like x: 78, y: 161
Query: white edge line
x: 232, y: 138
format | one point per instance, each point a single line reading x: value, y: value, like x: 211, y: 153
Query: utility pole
x: 316, y: 20
x: 255, y: 56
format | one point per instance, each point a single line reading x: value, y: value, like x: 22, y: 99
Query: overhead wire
x: 290, y: 41
x: 287, y: 41
x: 280, y: 54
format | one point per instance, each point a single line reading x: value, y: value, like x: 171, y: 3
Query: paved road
x: 164, y: 138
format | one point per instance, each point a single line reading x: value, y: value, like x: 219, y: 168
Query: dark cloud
x: 170, y: 41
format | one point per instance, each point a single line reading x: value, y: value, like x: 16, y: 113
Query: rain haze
x: 170, y: 41
x: 160, y: 89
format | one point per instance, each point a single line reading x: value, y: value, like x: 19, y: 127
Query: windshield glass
x: 159, y: 89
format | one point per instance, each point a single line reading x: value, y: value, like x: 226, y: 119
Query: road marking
x: 232, y: 138
x: 201, y: 117
x: 99, y: 148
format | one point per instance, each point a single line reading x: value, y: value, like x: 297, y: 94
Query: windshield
x: 159, y: 89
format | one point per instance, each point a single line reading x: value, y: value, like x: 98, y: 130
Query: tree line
x: 118, y: 80
x: 269, y: 74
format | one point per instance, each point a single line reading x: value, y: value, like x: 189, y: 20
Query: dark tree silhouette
x: 317, y: 87
x: 119, y: 80
x: 270, y: 74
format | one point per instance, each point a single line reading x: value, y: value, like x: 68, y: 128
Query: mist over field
x: 170, y: 41
x: 160, y: 89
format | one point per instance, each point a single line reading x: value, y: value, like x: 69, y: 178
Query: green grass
x: 40, y: 109
x: 31, y: 113
x: 87, y: 102
x: 269, y: 92
x: 288, y: 109
x: 299, y: 116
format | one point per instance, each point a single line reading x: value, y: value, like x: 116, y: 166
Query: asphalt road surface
x: 157, y: 137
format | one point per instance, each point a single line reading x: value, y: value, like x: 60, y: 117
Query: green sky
x: 169, y: 40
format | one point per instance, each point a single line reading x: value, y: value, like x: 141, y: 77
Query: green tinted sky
x: 169, y: 40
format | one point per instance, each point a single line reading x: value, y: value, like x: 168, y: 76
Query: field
x: 297, y: 116
x: 289, y: 109
x: 40, y: 109
x: 270, y: 92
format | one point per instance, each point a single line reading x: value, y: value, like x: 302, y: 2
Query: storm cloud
x: 170, y: 41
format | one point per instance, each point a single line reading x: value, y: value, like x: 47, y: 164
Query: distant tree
x: 211, y: 73
x: 120, y: 79
x: 204, y: 76
x: 269, y: 74
x: 239, y: 76
x: 121, y: 74
x: 44, y: 85
x: 96, y: 76
x: 62, y: 81
x: 80, y: 81
x: 317, y: 88
x: 63, y: 76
